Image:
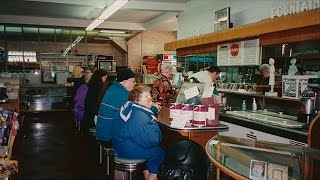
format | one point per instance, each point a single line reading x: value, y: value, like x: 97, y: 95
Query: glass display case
x: 43, y: 97
x: 243, y: 158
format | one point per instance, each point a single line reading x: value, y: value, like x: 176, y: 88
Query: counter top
x: 163, y: 120
x: 290, y: 133
x: 42, y: 85
x: 238, y: 158
x: 257, y: 94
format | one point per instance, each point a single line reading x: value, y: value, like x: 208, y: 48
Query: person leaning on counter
x: 111, y: 102
x: 137, y: 134
x: 265, y: 74
x: 162, y: 90
x: 207, y: 76
x: 113, y: 99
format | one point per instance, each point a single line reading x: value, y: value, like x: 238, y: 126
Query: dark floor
x: 48, y: 148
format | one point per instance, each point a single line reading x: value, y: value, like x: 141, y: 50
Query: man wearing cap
x: 113, y: 99
x: 111, y: 102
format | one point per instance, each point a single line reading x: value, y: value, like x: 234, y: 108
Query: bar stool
x: 129, y: 165
x: 109, y: 152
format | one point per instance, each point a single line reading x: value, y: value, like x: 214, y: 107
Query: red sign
x: 234, y: 50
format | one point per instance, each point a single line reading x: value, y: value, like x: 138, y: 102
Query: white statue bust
x: 271, y: 76
x: 293, y: 68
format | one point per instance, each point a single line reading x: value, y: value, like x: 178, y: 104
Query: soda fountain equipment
x: 310, y: 101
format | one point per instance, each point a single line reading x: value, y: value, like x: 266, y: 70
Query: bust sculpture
x: 293, y: 68
x: 271, y: 76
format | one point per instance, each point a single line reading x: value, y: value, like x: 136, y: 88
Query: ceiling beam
x: 61, y: 22
x: 163, y: 17
x: 154, y: 6
x: 93, y: 3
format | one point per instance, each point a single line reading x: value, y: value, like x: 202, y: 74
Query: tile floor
x: 48, y: 148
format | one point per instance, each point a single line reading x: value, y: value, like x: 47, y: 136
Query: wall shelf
x: 259, y: 94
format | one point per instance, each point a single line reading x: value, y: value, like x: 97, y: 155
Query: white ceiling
x: 136, y: 15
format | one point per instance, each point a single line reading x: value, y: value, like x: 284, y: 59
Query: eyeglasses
x: 133, y: 81
x: 149, y: 98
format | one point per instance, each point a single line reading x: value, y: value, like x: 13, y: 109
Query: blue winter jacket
x: 135, y: 126
x: 113, y: 99
x: 136, y: 135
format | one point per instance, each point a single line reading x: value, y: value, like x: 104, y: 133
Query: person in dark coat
x: 95, y: 84
x: 87, y: 72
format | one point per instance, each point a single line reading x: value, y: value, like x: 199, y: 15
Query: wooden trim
x: 253, y: 30
x: 198, y: 49
x: 291, y: 36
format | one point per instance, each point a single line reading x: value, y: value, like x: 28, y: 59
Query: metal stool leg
x: 130, y: 175
x: 100, y: 154
x: 108, y: 165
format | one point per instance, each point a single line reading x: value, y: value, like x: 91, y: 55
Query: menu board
x: 242, y: 53
x: 223, y: 55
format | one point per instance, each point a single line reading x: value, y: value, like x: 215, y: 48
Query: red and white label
x: 234, y: 49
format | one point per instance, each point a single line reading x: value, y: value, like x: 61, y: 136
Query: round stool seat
x: 130, y: 165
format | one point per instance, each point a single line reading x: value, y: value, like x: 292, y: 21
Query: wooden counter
x: 12, y: 103
x: 201, y: 135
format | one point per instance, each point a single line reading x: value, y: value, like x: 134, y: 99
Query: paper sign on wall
x: 191, y: 92
x: 239, y: 53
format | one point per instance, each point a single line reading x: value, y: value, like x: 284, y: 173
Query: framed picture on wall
x: 222, y: 19
x: 48, y: 77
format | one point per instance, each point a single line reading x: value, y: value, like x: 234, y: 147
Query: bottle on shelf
x: 254, y: 104
x: 244, y: 106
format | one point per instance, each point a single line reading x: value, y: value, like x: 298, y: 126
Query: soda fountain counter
x: 201, y: 135
x: 253, y: 159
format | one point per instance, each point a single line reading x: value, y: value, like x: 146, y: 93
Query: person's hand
x: 157, y: 105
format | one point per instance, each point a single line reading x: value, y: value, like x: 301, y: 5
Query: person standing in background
x: 137, y: 134
x: 95, y: 84
x: 162, y: 90
x: 208, y: 76
x: 265, y: 72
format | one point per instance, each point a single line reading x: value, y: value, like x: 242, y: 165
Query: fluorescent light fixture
x: 113, y: 32
x: 94, y: 24
x: 102, y: 39
x: 76, y: 41
x: 112, y: 9
x: 115, y: 6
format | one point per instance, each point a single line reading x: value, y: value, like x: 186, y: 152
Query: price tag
x: 191, y: 92
x: 207, y: 92
x: 178, y: 122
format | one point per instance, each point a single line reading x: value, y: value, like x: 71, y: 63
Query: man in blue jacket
x: 113, y: 99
